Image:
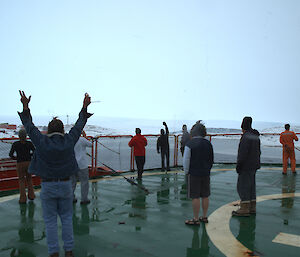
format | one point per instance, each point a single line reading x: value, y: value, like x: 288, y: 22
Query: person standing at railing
x: 288, y: 152
x: 83, y: 172
x: 198, y: 160
x: 184, y: 139
x: 248, y: 162
x: 24, y: 150
x: 139, y: 142
x: 54, y: 161
x: 163, y: 147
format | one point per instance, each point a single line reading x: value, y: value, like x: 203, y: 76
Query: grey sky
x: 153, y: 59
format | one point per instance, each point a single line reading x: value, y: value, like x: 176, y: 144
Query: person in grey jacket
x: 54, y: 161
x: 248, y: 162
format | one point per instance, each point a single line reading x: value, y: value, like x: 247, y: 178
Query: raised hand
x: 24, y: 100
x: 86, y: 100
x: 164, y: 123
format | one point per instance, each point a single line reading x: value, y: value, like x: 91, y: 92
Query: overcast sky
x: 158, y: 59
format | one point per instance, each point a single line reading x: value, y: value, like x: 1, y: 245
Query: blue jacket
x: 54, y: 155
x: 198, y: 157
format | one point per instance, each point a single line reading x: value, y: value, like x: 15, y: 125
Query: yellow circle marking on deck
x: 219, y: 231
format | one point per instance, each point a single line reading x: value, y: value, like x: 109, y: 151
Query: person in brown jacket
x: 24, y: 150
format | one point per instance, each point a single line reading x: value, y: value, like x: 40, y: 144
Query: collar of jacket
x: 55, y: 133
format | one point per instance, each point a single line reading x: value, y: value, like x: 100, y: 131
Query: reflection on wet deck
x: 124, y: 221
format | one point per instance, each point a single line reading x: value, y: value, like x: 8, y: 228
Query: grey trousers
x: 83, y: 177
x: 246, y: 185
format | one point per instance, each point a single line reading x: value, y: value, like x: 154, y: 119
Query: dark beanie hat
x: 247, y: 123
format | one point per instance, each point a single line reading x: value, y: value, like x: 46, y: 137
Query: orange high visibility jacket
x: 287, y: 139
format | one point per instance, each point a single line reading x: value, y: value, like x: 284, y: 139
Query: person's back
x: 249, y: 151
x: 201, y: 159
x: 138, y: 142
x: 287, y: 140
x: 23, y: 149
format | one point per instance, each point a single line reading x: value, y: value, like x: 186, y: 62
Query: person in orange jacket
x: 138, y: 142
x: 287, y: 140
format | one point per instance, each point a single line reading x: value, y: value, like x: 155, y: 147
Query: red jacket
x: 138, y: 142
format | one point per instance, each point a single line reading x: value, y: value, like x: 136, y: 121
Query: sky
x: 171, y: 59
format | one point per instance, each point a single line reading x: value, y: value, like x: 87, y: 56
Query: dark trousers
x: 246, y: 185
x: 165, y: 154
x: 140, y: 161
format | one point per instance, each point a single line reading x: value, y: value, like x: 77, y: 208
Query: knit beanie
x: 247, y: 123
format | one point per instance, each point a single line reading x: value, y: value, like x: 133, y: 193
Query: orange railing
x: 8, y: 166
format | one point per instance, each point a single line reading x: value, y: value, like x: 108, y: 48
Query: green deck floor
x: 154, y: 223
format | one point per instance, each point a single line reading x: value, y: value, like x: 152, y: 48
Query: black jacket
x: 249, y: 152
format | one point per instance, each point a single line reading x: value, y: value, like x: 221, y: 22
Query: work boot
x: 69, y: 254
x: 54, y: 255
x: 253, y: 207
x: 243, y: 211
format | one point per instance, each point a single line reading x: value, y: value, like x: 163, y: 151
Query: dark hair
x: 55, y: 125
x: 22, y: 134
x: 138, y: 131
x: 287, y: 126
x: 198, y: 129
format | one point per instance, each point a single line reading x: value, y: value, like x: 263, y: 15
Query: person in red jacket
x: 138, y: 142
x: 287, y: 140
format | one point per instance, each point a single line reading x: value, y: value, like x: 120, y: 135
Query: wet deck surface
x: 154, y: 223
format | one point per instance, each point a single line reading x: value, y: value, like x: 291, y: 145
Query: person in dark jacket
x: 248, y: 162
x: 139, y: 142
x: 163, y: 147
x: 198, y: 159
x: 184, y: 139
x: 54, y: 161
x: 24, y: 150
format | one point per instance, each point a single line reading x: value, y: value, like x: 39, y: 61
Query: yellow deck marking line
x: 219, y: 231
x: 287, y: 239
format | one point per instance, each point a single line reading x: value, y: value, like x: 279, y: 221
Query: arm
x: 12, y: 151
x: 131, y: 142
x: 186, y: 159
x: 146, y: 142
x: 281, y: 140
x: 295, y: 137
x: 242, y: 153
x: 75, y: 132
x: 26, y: 119
x: 211, y: 155
x: 158, y: 145
x: 166, y: 127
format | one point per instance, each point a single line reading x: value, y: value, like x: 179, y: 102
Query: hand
x: 24, y: 100
x: 164, y: 123
x: 158, y: 152
x: 86, y: 100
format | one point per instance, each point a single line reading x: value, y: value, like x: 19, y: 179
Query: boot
x: 69, y: 254
x: 243, y: 211
x: 54, y: 255
x: 253, y: 207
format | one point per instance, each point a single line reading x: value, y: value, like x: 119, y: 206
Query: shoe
x: 284, y: 173
x: 74, y: 200
x: 192, y: 222
x: 203, y: 219
x: 54, y: 255
x: 243, y: 211
x: 294, y: 172
x: 85, y: 202
x: 69, y: 254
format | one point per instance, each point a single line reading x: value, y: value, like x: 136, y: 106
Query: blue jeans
x: 57, y: 200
